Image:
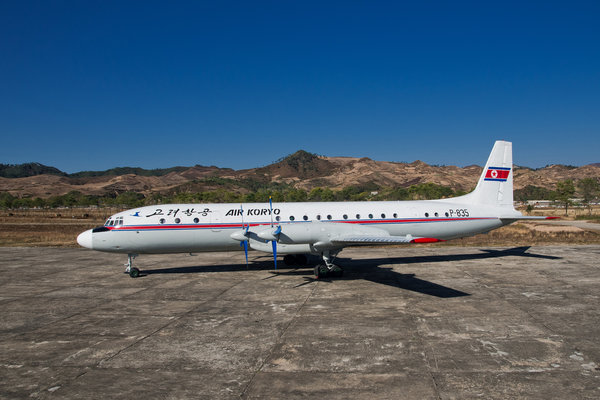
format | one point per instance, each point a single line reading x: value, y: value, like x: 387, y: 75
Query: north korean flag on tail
x: 498, y: 174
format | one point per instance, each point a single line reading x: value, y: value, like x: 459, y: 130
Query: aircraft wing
x: 382, y: 240
x: 333, y: 235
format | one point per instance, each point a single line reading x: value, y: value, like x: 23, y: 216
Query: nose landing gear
x: 131, y: 270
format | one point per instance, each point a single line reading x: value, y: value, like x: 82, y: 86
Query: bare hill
x: 301, y: 169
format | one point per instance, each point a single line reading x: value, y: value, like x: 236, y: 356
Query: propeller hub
x: 270, y: 234
x: 240, y: 236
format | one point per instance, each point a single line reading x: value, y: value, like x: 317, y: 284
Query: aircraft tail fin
x: 495, y: 186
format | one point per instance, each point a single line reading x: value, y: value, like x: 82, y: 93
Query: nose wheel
x: 131, y: 270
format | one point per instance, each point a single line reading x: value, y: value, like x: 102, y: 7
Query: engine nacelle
x: 318, y: 232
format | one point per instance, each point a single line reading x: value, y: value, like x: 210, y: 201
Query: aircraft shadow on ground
x: 365, y: 269
x: 487, y: 253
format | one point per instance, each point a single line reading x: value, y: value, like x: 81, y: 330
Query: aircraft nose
x: 85, y: 239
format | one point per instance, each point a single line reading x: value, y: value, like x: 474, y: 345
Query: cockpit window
x: 118, y: 221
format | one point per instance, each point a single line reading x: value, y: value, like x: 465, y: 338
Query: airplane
x: 311, y: 228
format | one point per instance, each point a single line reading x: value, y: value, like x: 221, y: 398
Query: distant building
x: 540, y: 203
x: 551, y: 203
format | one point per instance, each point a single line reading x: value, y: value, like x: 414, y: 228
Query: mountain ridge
x: 302, y: 170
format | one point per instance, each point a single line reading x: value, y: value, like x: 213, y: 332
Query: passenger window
x: 427, y: 215
x: 162, y: 221
x: 329, y: 216
x: 446, y: 214
x: 196, y: 220
x: 357, y: 216
x: 177, y: 220
x: 382, y: 215
x: 345, y: 216
x: 305, y: 218
x: 436, y: 214
x: 395, y: 215
x: 278, y: 218
x: 318, y: 217
x: 292, y: 218
x: 371, y: 216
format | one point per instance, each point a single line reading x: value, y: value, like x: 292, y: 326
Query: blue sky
x: 94, y: 85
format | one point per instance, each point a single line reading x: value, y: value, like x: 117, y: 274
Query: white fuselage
x: 186, y: 228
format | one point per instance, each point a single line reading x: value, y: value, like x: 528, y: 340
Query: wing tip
x: 426, y: 240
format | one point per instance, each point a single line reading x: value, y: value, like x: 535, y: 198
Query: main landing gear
x: 328, y: 269
x: 131, y: 270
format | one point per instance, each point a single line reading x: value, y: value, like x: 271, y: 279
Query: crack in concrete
x: 283, y: 332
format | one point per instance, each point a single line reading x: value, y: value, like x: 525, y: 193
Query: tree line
x: 422, y: 191
x: 588, y: 189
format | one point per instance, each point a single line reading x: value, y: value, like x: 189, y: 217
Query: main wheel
x: 134, y: 272
x: 321, y: 271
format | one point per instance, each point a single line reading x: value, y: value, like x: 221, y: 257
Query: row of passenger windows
x: 329, y: 217
x: 177, y: 220
x: 436, y: 215
x: 358, y: 216
x: 305, y: 217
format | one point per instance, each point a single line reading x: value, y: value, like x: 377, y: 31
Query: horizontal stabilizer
x: 525, y: 218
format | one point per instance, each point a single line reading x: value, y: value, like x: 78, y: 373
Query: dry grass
x: 529, y: 234
x: 573, y: 212
x: 61, y: 227
x: 48, y: 227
